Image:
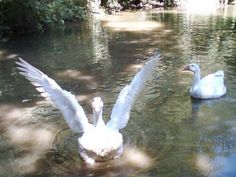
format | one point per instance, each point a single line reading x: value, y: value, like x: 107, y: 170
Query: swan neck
x: 197, y: 78
x: 97, y: 119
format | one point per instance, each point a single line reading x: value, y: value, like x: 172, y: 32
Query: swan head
x: 97, y: 104
x: 192, y: 67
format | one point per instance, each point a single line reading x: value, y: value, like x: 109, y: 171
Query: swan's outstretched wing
x: 65, y: 101
x: 121, y: 110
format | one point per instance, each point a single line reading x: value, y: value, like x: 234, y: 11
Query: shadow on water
x: 198, y: 103
x: 132, y: 162
x: 168, y: 134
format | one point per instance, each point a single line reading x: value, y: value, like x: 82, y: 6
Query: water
x: 168, y: 134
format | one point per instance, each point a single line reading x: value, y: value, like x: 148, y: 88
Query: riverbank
x: 39, y: 16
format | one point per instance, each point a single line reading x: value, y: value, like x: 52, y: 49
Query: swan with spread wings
x: 99, y: 141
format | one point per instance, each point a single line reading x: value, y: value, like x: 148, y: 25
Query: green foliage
x: 34, y: 15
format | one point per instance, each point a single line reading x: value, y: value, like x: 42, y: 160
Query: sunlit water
x: 168, y: 134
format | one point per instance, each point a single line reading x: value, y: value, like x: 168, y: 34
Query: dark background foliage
x: 20, y: 16
x: 38, y: 15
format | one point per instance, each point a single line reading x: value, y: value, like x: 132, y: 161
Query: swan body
x: 210, y: 86
x: 99, y: 141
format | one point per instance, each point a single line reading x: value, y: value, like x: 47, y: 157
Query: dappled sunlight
x: 33, y: 130
x: 137, y: 158
x: 22, y: 132
x: 11, y: 114
x: 84, y: 98
x: 39, y: 138
x: 95, y: 60
x: 202, y: 6
x: 133, y: 22
x: 132, y: 158
x: 132, y: 162
x: 133, y: 26
x: 12, y: 56
x: 43, y: 101
x: 204, y: 164
x: 34, y: 140
x: 5, y: 55
x: 71, y: 74
x: 211, y: 166
x: 133, y: 67
x: 74, y: 74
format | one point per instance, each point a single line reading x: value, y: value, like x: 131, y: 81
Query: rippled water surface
x: 168, y: 134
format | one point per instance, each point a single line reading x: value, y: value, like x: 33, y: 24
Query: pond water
x: 168, y: 134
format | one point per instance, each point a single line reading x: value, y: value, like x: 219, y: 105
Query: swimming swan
x: 210, y: 86
x: 99, y: 141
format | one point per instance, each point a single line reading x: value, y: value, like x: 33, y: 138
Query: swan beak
x: 186, y: 68
x: 97, y: 104
x: 97, y: 108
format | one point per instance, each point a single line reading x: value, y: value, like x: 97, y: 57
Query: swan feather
x: 121, y: 110
x: 64, y: 100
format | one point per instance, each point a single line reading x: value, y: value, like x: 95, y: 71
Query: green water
x: 168, y: 134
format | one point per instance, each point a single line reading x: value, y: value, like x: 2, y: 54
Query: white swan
x: 100, y: 141
x: 210, y: 86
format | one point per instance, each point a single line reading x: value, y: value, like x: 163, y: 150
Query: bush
x: 38, y: 15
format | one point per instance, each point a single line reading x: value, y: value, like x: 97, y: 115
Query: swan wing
x: 121, y: 110
x: 64, y: 100
x: 215, y: 80
x: 213, y: 85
